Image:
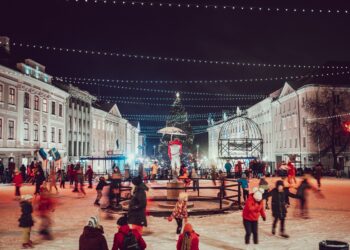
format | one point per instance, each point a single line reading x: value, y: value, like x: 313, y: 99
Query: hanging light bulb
x: 177, y: 94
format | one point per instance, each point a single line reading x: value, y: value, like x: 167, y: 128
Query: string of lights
x: 202, y: 115
x: 164, y: 91
x: 233, y: 8
x: 328, y: 117
x: 186, y: 105
x: 253, y: 97
x: 166, y: 59
x: 263, y: 79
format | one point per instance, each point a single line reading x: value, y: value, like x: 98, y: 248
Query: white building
x: 283, y: 122
x: 32, y: 113
x: 114, y: 139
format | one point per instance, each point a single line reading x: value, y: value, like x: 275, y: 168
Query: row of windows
x: 75, y: 103
x: 282, y: 144
x: 11, y: 132
x: 82, y: 124
x: 12, y: 101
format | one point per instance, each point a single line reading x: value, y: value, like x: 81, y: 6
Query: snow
x: 330, y: 219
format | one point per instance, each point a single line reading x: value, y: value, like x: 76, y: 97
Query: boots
x: 97, y: 203
x: 284, y: 235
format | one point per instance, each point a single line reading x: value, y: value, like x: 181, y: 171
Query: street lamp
x: 154, y: 150
x: 197, y: 146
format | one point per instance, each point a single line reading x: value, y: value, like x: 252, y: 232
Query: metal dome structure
x: 240, y: 138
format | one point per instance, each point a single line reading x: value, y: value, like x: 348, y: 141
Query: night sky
x: 240, y: 36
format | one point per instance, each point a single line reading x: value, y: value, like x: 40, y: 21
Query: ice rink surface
x: 329, y: 219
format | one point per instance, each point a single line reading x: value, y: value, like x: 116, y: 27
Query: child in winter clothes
x: 265, y: 186
x: 92, y: 237
x: 26, y: 220
x: 126, y: 237
x: 180, y: 211
x: 101, y: 184
x: 253, y: 208
x: 188, y: 240
x: 18, y: 183
x: 244, y: 184
x: 280, y: 200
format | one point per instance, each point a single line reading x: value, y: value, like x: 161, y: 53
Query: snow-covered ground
x: 330, y: 219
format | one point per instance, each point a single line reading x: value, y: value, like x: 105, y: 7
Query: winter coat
x: 253, y: 209
x: 39, y: 176
x: 194, y: 237
x: 137, y: 206
x: 291, y: 169
x: 303, y: 187
x: 45, y: 204
x: 92, y: 239
x: 101, y: 185
x: 2, y: 168
x: 18, y: 180
x: 244, y: 183
x: 180, y: 210
x: 279, y: 202
x: 89, y: 173
x: 26, y: 219
x: 119, y: 238
x: 228, y: 167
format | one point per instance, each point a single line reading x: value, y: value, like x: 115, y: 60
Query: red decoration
x: 346, y: 126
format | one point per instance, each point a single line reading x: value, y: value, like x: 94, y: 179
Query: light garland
x: 238, y: 97
x: 168, y: 59
x: 201, y: 115
x: 164, y: 91
x: 274, y: 78
x: 189, y: 106
x: 234, y: 8
x: 328, y: 117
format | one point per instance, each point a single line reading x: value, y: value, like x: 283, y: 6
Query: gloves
x: 170, y: 218
x: 264, y: 218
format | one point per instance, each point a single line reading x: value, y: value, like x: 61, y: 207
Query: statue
x: 174, y: 152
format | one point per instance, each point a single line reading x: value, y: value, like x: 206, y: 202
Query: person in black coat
x: 26, y: 220
x: 39, y: 178
x: 137, y: 205
x: 280, y: 200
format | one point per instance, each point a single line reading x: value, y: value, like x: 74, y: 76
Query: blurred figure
x: 283, y: 170
x: 101, y: 184
x: 92, y: 237
x: 154, y: 170
x: 2, y: 172
x: 253, y: 209
x: 70, y: 174
x: 188, y: 240
x: 79, y: 179
x: 23, y: 169
x: 222, y: 179
x: 263, y: 184
x: 245, y: 186
x: 89, y: 174
x: 127, y: 238
x: 45, y: 206
x: 17, y: 180
x: 291, y: 173
x: 26, y: 220
x: 213, y: 173
x: 52, y: 180
x: 195, y: 179
x: 62, y: 178
x: 137, y: 205
x: 39, y: 178
x: 180, y: 212
x: 302, y: 193
x: 238, y: 170
x: 228, y: 167
x: 114, y: 190
x: 318, y: 174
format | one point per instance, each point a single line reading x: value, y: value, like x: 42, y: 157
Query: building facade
x: 32, y: 114
x: 283, y: 122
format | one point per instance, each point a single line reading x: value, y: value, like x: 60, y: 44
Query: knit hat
x: 183, y: 196
x: 122, y: 221
x: 244, y: 176
x: 26, y: 197
x: 93, y: 222
x: 258, y: 194
x: 188, y: 228
x: 137, y: 180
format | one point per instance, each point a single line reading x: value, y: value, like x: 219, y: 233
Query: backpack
x: 130, y: 242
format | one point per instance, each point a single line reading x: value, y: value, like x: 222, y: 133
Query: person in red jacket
x: 45, y: 206
x: 127, y: 238
x: 188, y: 240
x: 17, y: 180
x: 291, y: 173
x: 253, y: 209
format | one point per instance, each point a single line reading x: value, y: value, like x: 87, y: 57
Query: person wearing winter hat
x: 26, y: 220
x: 92, y: 237
x: 253, y: 209
x: 137, y: 205
x: 188, y: 240
x: 180, y: 211
x: 245, y: 186
x: 280, y: 200
x: 127, y: 238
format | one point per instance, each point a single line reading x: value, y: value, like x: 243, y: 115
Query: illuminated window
x: 11, y: 132
x: 12, y: 96
x: 45, y: 105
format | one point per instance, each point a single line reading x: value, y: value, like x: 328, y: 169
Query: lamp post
x: 197, y: 146
x: 154, y: 150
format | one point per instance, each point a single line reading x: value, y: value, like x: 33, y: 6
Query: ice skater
x: 180, y: 213
x: 89, y: 174
x: 253, y: 209
x: 18, y: 181
x: 265, y: 185
x: 45, y: 206
x: 101, y: 184
x: 318, y: 174
x: 280, y: 200
x: 245, y: 186
x: 26, y: 220
x: 52, y: 179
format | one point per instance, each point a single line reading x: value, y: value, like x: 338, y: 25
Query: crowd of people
x: 131, y: 224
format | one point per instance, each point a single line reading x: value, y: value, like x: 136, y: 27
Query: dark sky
x: 177, y: 32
